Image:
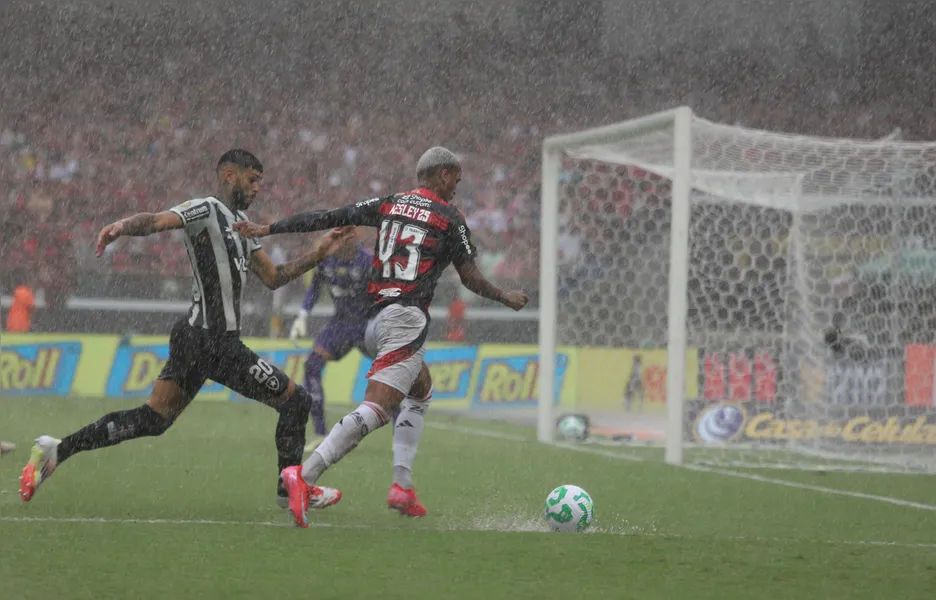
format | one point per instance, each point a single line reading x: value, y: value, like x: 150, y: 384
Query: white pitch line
x: 713, y: 470
x: 91, y: 520
x: 815, y: 488
x: 186, y: 522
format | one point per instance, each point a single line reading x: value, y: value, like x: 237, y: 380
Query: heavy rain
x: 678, y: 253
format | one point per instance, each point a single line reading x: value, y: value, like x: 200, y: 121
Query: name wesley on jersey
x: 410, y: 212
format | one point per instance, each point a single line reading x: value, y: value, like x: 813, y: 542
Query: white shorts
x: 397, y: 338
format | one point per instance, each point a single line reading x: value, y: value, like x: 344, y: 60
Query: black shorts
x: 196, y: 354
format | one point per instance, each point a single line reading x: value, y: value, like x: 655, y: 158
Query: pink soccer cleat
x: 405, y: 502
x: 302, y: 496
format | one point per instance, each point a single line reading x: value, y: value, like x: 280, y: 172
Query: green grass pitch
x: 192, y: 515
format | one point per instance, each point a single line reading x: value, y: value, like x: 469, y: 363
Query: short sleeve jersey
x: 220, y: 259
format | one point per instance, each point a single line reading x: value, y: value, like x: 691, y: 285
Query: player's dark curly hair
x: 241, y: 158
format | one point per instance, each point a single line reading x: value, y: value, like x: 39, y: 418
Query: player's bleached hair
x: 435, y: 159
x: 241, y: 158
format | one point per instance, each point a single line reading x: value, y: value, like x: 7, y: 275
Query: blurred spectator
x: 455, y: 326
x: 19, y: 319
x: 128, y: 119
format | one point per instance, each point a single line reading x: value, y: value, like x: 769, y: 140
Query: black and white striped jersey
x: 220, y: 259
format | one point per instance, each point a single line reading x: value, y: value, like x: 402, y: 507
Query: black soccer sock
x: 112, y: 429
x: 291, y: 428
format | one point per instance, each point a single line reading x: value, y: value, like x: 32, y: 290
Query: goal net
x: 742, y: 296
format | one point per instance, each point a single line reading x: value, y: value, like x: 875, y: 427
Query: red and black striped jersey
x: 419, y: 235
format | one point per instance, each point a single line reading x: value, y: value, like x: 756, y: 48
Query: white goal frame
x: 679, y: 120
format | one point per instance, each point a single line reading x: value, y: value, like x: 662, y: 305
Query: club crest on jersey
x: 391, y: 292
x: 411, y: 212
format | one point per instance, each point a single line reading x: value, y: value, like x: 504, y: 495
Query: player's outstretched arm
x: 142, y: 224
x: 361, y: 214
x: 275, y: 276
x: 474, y: 280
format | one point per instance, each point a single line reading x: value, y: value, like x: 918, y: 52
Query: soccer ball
x: 569, y: 508
x: 572, y: 427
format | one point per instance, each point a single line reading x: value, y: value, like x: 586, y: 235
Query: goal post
x: 740, y: 295
x: 679, y: 120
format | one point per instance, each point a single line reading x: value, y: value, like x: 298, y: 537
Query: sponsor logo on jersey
x: 367, y: 202
x: 390, y: 292
x: 411, y: 212
x: 414, y: 199
x: 241, y: 263
x: 193, y: 214
x: 463, y: 231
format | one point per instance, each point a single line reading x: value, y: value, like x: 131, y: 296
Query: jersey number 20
x: 412, y: 237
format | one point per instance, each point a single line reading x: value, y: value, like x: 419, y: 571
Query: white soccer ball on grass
x: 569, y: 508
x: 573, y: 428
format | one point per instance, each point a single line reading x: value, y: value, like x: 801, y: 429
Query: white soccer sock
x: 406, y: 434
x: 344, y: 436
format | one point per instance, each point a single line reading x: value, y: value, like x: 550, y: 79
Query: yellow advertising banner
x: 489, y: 376
x: 107, y: 366
x: 631, y: 380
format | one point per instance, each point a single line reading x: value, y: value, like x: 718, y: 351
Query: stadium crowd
x: 133, y: 120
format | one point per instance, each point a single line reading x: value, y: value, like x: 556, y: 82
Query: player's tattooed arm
x: 150, y: 223
x: 275, y: 276
x: 142, y: 224
x: 473, y: 279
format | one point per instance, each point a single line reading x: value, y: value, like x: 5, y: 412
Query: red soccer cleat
x: 405, y: 502
x: 302, y: 496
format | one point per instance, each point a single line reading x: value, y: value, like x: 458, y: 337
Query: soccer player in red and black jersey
x: 420, y: 234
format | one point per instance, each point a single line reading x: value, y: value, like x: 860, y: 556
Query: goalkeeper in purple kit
x: 345, y: 274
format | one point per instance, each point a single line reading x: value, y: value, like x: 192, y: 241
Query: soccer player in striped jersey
x: 419, y: 234
x: 206, y: 343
